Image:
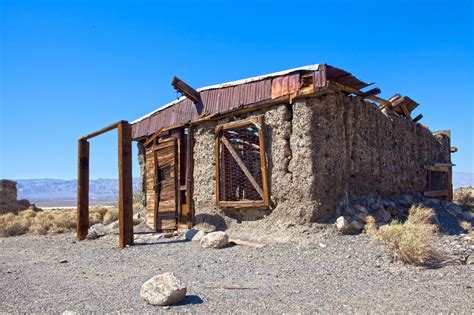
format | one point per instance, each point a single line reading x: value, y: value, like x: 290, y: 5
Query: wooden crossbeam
x: 417, y: 118
x: 242, y: 166
x: 436, y: 193
x: 371, y: 92
x: 153, y: 137
x: 359, y: 93
x: 187, y: 90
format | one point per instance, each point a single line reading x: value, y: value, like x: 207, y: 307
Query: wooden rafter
x: 187, y: 90
x: 349, y: 89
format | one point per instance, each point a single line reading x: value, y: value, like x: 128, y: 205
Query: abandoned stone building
x: 296, y: 142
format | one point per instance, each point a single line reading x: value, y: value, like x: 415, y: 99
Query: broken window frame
x: 259, y: 123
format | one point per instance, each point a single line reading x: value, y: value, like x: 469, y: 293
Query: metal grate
x: 240, y: 165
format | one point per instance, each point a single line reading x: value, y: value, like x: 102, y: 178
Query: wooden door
x: 166, y: 186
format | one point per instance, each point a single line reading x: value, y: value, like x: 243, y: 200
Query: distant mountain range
x: 58, y: 192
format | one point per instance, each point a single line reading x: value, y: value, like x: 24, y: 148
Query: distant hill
x: 58, y: 192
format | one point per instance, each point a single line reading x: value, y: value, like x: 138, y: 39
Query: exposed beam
x: 359, y: 93
x: 187, y: 90
x: 418, y: 118
x: 371, y: 92
x: 436, y: 193
x: 100, y: 131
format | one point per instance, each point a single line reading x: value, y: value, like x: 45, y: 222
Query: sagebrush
x: 411, y: 241
x: 51, y: 221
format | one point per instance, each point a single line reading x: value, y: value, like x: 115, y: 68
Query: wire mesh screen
x: 239, y: 164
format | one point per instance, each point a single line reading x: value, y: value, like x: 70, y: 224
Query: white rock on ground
x: 215, y: 240
x: 164, y: 289
x: 199, y: 235
x: 342, y: 224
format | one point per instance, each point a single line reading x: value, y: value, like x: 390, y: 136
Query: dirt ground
x: 333, y: 274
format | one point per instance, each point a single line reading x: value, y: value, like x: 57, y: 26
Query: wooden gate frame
x: 125, y: 203
x: 259, y: 123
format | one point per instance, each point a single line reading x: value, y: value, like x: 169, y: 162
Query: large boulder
x: 215, y: 240
x: 164, y: 289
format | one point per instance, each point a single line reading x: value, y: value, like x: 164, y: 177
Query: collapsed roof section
x: 216, y: 100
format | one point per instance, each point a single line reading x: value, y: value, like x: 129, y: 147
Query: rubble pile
x: 353, y: 216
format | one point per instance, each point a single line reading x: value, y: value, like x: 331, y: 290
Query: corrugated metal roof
x: 230, y: 96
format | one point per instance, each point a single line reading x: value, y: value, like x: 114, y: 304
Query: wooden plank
x: 152, y: 138
x: 187, y: 90
x: 348, y: 89
x: 436, y: 193
x: 437, y: 168
x: 101, y: 131
x: 217, y: 163
x: 237, y: 241
x: 417, y: 118
x: 242, y: 204
x: 189, y: 175
x: 239, y: 123
x: 82, y: 190
x: 371, y: 92
x: 125, y: 184
x: 263, y: 161
x: 405, y: 111
x: 178, y: 178
x: 242, y: 166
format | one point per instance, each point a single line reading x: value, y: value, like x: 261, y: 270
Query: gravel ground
x: 338, y: 274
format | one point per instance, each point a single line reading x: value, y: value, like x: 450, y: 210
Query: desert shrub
x: 412, y: 241
x: 11, y: 225
x: 464, y: 196
x: 51, y: 222
x: 94, y: 218
x: 98, y: 209
x: 41, y: 223
x: 111, y: 215
x: 63, y: 221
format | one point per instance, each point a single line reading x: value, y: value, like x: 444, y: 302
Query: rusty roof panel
x: 224, y: 98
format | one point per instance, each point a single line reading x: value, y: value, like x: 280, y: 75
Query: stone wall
x: 8, y: 195
x: 320, y: 150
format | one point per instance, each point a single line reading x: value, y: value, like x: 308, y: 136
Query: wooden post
x: 82, y: 190
x: 125, y: 184
x: 189, y: 174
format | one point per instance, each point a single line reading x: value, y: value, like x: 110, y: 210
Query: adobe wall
x: 359, y: 149
x: 320, y: 150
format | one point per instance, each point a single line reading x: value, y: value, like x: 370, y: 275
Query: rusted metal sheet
x: 343, y: 77
x: 285, y: 85
x: 225, y: 98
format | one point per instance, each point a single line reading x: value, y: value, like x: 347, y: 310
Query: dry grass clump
x: 51, y: 222
x: 111, y: 215
x: 464, y: 196
x: 411, y: 241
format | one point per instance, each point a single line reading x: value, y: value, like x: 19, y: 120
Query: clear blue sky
x: 71, y: 67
